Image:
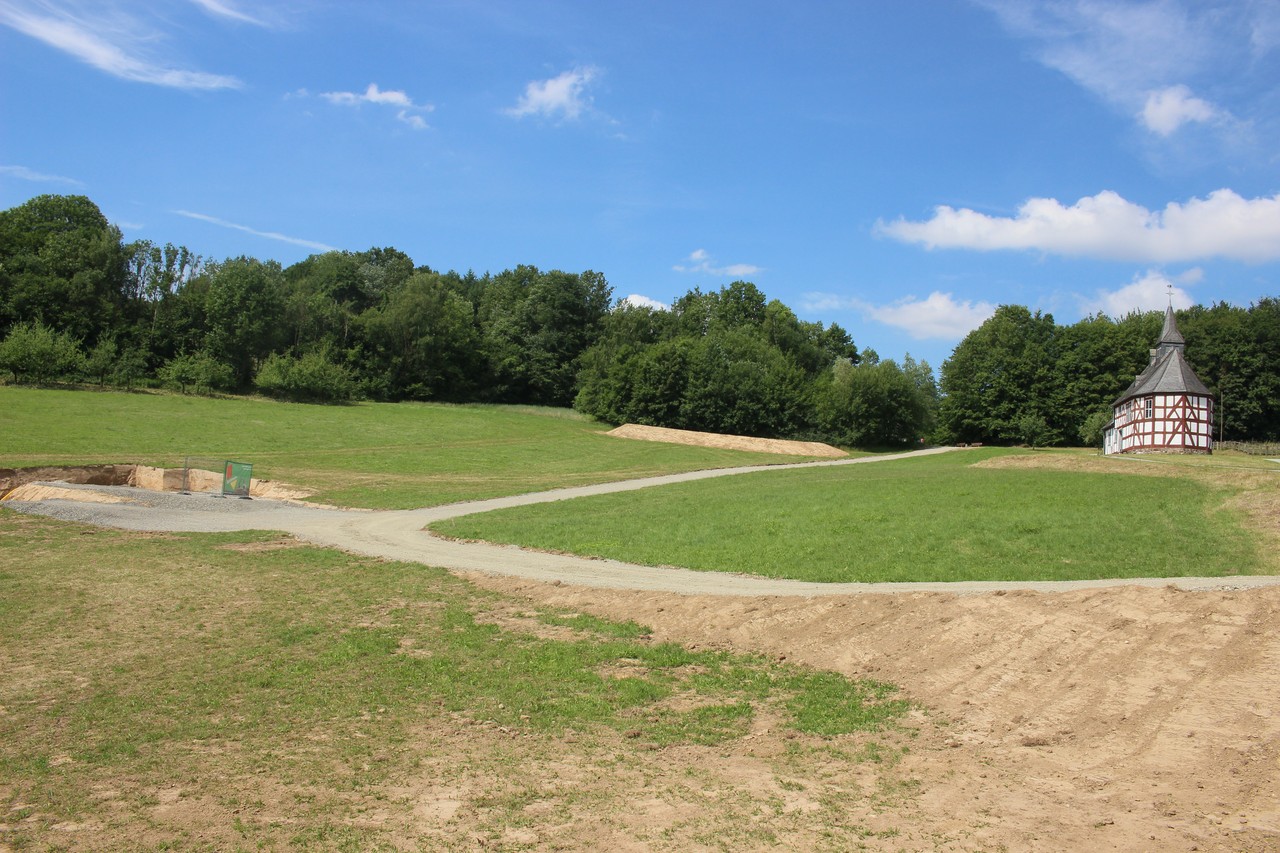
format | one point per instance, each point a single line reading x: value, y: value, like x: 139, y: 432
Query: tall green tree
x: 999, y: 374
x: 1235, y: 352
x: 421, y: 344
x: 1096, y: 360
x: 724, y: 361
x: 737, y: 383
x: 535, y: 327
x: 609, y: 375
x: 62, y: 264
x: 876, y: 404
x: 243, y: 310
x: 157, y: 277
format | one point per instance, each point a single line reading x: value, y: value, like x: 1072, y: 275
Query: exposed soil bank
x: 1125, y: 718
x: 91, y: 475
x: 13, y: 481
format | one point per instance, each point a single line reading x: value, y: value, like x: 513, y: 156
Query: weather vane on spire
x: 1170, y: 288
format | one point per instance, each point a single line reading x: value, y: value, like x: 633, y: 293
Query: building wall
x: 1181, y: 423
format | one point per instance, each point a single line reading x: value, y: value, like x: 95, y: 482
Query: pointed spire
x: 1169, y: 335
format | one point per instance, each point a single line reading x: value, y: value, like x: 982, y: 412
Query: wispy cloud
x: 699, y: 261
x: 1106, y: 226
x: 269, y: 235
x: 407, y: 112
x: 1142, y: 57
x: 565, y: 96
x: 25, y: 174
x: 228, y: 11
x: 108, y: 40
x: 939, y: 316
x: 1150, y: 291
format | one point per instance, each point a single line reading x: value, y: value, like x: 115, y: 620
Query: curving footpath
x: 400, y: 535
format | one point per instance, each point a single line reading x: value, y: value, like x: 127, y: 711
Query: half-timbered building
x: 1167, y: 409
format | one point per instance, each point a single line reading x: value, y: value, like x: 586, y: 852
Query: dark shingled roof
x: 1168, y: 372
x: 1170, y: 334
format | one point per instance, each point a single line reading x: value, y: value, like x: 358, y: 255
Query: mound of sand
x: 44, y: 492
x: 728, y: 442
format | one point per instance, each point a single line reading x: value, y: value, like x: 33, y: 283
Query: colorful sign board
x: 236, y: 477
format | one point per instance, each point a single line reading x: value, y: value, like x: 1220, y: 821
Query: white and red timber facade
x: 1167, y: 409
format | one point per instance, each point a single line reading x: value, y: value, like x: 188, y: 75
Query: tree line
x: 78, y: 302
x: 1022, y: 378
x: 333, y: 327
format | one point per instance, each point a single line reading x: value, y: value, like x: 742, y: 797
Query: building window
x: 1149, y: 407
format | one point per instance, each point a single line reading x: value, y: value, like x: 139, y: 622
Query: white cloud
x: 409, y: 112
x: 565, y: 95
x: 1171, y: 108
x: 939, y: 316
x: 269, y: 235
x: 700, y: 262
x: 25, y: 174
x: 228, y: 10
x: 1137, y: 56
x: 644, y: 302
x: 371, y: 95
x: 1152, y: 291
x: 1223, y: 225
x: 115, y: 44
x: 417, y: 122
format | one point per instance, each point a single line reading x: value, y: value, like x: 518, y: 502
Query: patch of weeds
x: 874, y: 753
x: 585, y: 622
x: 707, y: 725
x: 343, y: 838
x: 892, y: 791
x: 830, y: 704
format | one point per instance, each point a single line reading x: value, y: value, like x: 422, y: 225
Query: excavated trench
x: 20, y: 483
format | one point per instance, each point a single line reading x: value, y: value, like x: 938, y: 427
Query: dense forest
x: 79, y: 304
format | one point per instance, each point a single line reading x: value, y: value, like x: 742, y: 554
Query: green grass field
x: 238, y: 691
x: 933, y: 518
x: 375, y: 455
x: 284, y: 693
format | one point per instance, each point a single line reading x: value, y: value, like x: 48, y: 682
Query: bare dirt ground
x: 1122, y: 718
x: 1117, y: 718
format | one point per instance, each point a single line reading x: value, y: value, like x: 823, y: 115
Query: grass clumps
x: 280, y: 691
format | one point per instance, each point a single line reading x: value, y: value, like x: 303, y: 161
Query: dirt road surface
x: 1114, y: 716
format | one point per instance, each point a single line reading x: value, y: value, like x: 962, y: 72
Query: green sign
x: 236, y: 477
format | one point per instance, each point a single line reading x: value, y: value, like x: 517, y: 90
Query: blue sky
x: 898, y: 167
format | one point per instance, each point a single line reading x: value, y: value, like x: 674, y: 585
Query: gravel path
x: 399, y: 535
